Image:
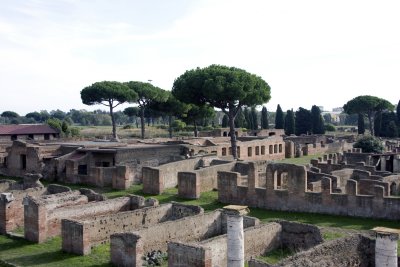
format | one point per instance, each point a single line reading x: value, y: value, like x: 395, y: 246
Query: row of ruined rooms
x: 258, y: 150
x: 72, y: 161
x: 134, y: 226
x: 284, y: 186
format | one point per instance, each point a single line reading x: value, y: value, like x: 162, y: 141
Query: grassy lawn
x: 24, y: 253
x: 276, y: 255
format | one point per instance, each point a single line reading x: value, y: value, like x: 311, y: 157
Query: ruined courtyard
x: 86, y: 196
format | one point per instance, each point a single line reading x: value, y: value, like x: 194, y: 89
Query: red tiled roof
x: 27, y: 129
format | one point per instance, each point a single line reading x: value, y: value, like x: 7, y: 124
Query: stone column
x: 235, y: 234
x: 386, y: 247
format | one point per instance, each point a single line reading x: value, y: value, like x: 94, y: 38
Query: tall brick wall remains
x: 294, y: 195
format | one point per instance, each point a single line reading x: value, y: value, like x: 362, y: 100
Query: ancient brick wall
x: 156, y: 179
x: 12, y: 210
x: 258, y: 240
x: 27, y: 158
x: 191, y: 228
x: 105, y: 168
x: 54, y: 217
x: 36, y: 211
x: 80, y: 235
x: 192, y: 184
x: 354, y: 157
x: 188, y: 229
x: 292, y: 196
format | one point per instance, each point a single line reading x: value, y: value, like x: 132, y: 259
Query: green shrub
x: 369, y: 144
x: 329, y: 128
x: 178, y: 125
x: 74, y: 132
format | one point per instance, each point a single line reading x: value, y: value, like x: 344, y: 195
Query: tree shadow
x: 53, y: 258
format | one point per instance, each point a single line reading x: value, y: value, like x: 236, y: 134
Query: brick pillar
x: 126, y: 250
x: 35, y: 220
x: 75, y: 237
x: 6, y: 203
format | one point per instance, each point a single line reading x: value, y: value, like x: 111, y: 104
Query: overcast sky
x: 309, y: 52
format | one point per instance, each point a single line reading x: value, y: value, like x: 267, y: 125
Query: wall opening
x: 23, y: 161
x: 275, y: 149
x: 280, y: 180
x: 46, y: 137
x: 82, y: 169
x: 280, y: 148
x: 271, y: 150
x: 262, y: 150
x: 249, y: 151
x: 224, y: 151
x: 393, y: 189
x: 257, y: 150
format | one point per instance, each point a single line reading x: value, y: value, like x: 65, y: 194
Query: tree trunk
x: 142, y: 120
x: 170, y: 125
x: 371, y: 123
x: 231, y: 116
x: 196, y: 132
x: 114, y: 127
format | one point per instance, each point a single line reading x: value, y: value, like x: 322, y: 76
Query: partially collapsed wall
x: 11, y: 200
x: 356, y: 250
x: 43, y: 214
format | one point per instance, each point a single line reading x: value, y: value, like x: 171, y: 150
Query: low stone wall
x: 11, y: 206
x: 12, y: 209
x: 36, y: 210
x: 357, y: 250
x: 127, y: 249
x: 54, y: 217
x: 78, y: 236
x: 258, y: 240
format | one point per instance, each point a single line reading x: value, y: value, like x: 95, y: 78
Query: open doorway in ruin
x: 280, y: 180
